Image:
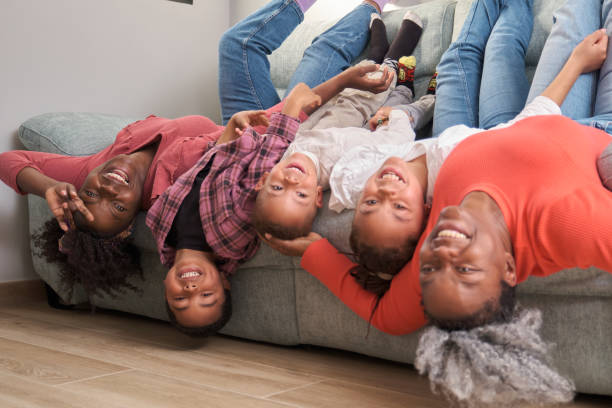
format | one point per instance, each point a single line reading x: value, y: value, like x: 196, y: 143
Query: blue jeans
x: 590, y: 100
x: 244, y: 70
x: 481, y: 77
x: 571, y: 23
x: 602, y: 112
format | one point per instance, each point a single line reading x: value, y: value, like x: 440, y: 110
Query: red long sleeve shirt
x: 542, y: 174
x: 182, y: 142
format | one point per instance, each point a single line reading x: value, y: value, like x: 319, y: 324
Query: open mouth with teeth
x: 296, y: 167
x: 119, y: 176
x: 391, y: 175
x: 190, y: 275
x: 452, y: 234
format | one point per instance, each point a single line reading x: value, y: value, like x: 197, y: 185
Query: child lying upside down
x: 202, y: 223
x: 290, y: 194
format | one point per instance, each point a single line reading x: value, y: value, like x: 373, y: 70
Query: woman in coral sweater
x: 508, y: 203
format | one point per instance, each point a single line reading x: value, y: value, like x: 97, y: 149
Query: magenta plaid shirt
x: 227, y: 195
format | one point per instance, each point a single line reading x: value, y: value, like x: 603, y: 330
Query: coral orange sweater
x: 541, y: 172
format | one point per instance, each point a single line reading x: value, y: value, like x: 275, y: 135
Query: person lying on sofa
x: 202, y: 251
x: 487, y: 233
x: 515, y: 212
x: 184, y: 290
x: 95, y: 198
x: 392, y: 185
x: 201, y: 224
x: 289, y: 195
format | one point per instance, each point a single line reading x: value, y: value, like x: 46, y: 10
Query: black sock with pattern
x: 407, y: 37
x: 378, y: 39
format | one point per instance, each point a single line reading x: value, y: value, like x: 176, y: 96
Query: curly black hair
x: 373, y: 261
x: 100, y: 265
x: 210, y: 329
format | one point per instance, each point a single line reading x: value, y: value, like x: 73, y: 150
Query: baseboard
x: 22, y: 290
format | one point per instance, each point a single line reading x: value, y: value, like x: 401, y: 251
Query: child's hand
x: 240, y: 121
x: 300, y: 98
x: 380, y: 118
x: 63, y: 200
x: 590, y: 53
x: 358, y: 77
x: 244, y: 119
x: 295, y: 247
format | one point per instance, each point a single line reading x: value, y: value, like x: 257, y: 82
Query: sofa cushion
x: 73, y: 133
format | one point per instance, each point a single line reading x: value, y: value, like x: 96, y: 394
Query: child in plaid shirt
x: 215, y: 239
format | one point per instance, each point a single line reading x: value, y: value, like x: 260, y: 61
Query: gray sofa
x: 278, y: 302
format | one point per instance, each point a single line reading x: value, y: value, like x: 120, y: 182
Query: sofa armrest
x: 72, y: 133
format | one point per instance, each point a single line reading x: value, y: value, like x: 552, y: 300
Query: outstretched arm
x: 51, y: 176
x: 588, y: 56
x: 399, y: 310
x: 354, y: 77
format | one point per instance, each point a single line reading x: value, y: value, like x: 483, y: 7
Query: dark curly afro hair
x: 100, y: 265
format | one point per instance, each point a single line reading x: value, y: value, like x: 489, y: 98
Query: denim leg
x: 460, y: 69
x: 504, y: 85
x: 334, y: 50
x: 602, y: 121
x: 244, y: 70
x: 603, y: 100
x: 571, y: 23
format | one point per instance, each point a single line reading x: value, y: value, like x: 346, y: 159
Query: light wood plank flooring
x: 55, y: 358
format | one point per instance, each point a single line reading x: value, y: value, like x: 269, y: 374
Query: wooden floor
x: 54, y: 358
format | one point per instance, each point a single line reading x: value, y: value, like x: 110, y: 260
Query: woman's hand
x: 63, y: 200
x: 358, y: 77
x: 240, y: 121
x: 381, y: 117
x: 590, y: 53
x: 295, y: 247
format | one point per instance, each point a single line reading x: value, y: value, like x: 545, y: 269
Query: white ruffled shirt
x: 325, y: 147
x: 353, y: 169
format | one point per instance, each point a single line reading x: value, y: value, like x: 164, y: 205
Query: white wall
x: 127, y: 57
x: 322, y: 9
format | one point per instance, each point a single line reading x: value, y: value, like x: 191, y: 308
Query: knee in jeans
x: 230, y: 42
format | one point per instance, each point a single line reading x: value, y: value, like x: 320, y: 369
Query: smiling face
x: 112, y: 192
x: 289, y: 194
x: 462, y: 264
x: 391, y: 207
x: 194, y: 288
